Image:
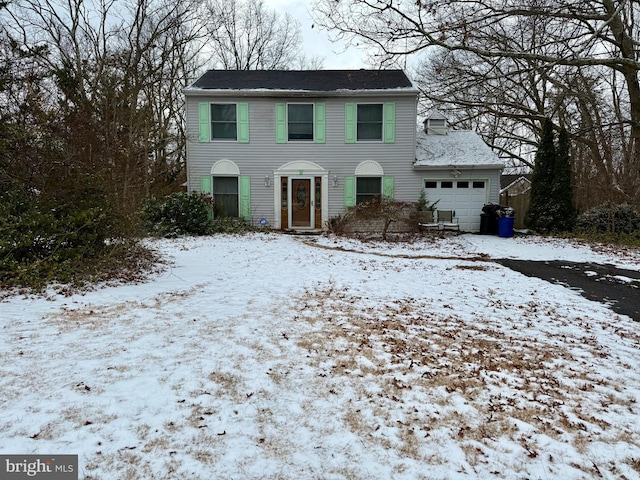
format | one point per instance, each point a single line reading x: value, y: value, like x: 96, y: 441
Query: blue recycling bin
x: 505, y: 226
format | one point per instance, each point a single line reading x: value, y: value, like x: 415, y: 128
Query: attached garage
x: 464, y: 196
x: 458, y: 171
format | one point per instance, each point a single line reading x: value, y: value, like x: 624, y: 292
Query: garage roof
x: 457, y: 148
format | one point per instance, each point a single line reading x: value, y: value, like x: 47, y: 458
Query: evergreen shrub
x: 610, y: 218
x: 230, y: 225
x: 44, y: 240
x: 178, y: 214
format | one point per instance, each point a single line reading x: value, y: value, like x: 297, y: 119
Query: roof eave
x: 205, y: 92
x: 516, y: 181
x: 488, y: 166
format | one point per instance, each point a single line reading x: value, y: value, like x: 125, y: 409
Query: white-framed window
x: 368, y: 188
x: 369, y: 122
x: 224, y: 121
x: 224, y: 191
x: 300, y: 121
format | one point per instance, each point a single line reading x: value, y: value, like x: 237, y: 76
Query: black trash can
x: 488, y: 224
x: 492, y: 213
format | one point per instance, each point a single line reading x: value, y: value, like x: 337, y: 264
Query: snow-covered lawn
x: 272, y: 356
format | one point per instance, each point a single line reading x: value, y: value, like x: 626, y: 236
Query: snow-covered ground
x: 271, y: 356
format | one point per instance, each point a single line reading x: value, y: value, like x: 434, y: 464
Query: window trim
x: 313, y: 122
x: 356, y: 194
x: 382, y: 123
x: 212, y: 121
x: 213, y: 193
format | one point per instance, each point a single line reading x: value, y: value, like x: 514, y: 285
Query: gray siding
x: 262, y: 155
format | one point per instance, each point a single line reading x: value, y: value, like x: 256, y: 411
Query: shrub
x: 422, y: 205
x: 177, y: 214
x: 373, y: 216
x: 610, y: 218
x: 45, y: 239
x: 230, y: 225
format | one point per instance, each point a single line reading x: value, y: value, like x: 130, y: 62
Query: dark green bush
x: 610, y: 218
x: 230, y: 225
x: 178, y: 214
x: 44, y: 240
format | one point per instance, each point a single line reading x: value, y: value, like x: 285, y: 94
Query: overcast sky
x: 316, y: 41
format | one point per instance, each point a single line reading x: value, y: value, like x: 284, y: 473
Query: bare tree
x: 245, y: 35
x: 573, y: 60
x: 117, y: 69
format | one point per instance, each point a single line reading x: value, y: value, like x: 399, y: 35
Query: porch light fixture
x: 334, y: 181
x: 455, y: 172
x: 267, y: 181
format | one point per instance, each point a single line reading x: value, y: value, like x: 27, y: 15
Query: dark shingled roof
x: 303, y: 80
x: 508, y: 178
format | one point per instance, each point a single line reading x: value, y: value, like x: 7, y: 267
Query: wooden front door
x: 301, y: 202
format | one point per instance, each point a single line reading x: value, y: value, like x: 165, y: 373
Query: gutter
x: 491, y: 166
x: 201, y: 92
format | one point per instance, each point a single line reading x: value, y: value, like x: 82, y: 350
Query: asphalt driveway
x: 619, y: 288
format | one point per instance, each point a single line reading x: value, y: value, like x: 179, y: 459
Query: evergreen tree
x: 562, y: 190
x: 540, y: 216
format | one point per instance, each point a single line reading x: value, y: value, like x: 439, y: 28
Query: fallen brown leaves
x: 480, y: 379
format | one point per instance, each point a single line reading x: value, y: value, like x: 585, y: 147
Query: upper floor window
x: 300, y: 121
x: 369, y: 122
x: 224, y: 121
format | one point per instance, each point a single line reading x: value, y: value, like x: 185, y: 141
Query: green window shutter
x: 319, y: 134
x: 205, y: 184
x: 349, y: 191
x: 387, y: 187
x: 243, y: 122
x: 350, y: 123
x: 245, y: 197
x: 281, y: 123
x: 389, y: 114
x: 204, y: 134
x: 205, y: 187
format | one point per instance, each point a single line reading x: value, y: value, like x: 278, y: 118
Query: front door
x: 301, y: 202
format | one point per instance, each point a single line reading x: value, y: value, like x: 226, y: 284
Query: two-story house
x: 292, y: 149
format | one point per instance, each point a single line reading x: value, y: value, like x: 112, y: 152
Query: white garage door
x: 465, y: 197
